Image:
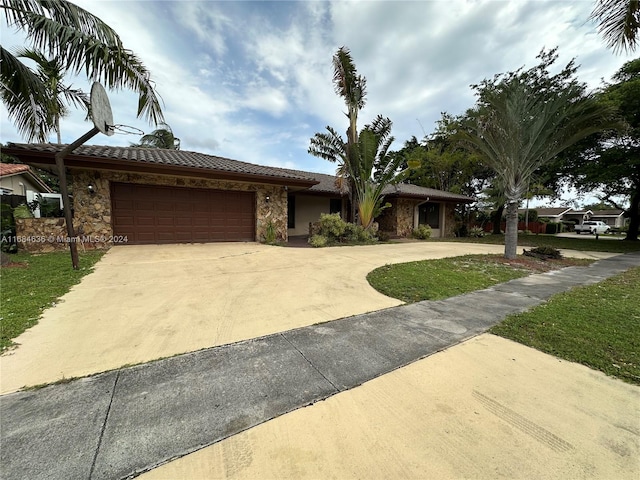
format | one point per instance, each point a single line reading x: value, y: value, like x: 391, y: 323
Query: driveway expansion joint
x: 283, y: 335
x: 104, y: 424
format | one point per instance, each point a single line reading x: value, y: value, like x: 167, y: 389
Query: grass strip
x: 596, y: 325
x: 447, y: 277
x: 34, y: 284
x: 579, y: 243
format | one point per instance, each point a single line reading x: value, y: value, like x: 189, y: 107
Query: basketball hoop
x: 126, y: 130
x: 101, y: 109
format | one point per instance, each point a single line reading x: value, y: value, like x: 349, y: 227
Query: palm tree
x: 374, y: 168
x: 52, y: 75
x: 330, y: 146
x: 519, y: 126
x: 619, y: 21
x: 159, y: 138
x: 80, y: 42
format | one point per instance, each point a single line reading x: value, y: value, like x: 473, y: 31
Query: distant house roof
x: 10, y: 169
x: 7, y: 169
x: 156, y: 160
x: 549, y: 212
x: 607, y: 213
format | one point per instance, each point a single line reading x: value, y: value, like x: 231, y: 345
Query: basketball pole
x: 66, y: 204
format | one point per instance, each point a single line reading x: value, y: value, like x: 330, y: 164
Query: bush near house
x: 422, y: 232
x: 333, y: 230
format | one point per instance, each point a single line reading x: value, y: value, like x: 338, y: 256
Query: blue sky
x: 252, y: 80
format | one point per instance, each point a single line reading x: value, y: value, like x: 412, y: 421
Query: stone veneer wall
x: 449, y: 220
x: 41, y: 235
x: 387, y: 219
x: 92, y: 211
x: 404, y: 216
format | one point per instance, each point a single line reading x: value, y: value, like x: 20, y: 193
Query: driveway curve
x: 147, y: 302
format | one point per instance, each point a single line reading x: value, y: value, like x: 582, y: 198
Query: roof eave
x: 85, y: 162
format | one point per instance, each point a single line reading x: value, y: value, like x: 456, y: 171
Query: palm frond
x: 26, y: 98
x: 619, y: 21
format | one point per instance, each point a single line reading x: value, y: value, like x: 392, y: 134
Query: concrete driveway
x: 147, y: 302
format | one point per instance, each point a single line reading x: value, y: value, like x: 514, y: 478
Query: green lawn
x: 436, y: 279
x: 596, y: 325
x: 25, y: 291
x: 579, y: 243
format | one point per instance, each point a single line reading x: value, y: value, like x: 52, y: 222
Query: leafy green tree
x: 619, y: 21
x: 160, y: 138
x: 81, y: 43
x: 523, y: 119
x: 610, y: 162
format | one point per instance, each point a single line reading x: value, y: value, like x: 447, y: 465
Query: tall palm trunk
x: 632, y: 233
x: 511, y: 231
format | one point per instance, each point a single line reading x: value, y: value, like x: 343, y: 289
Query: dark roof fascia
x: 94, y: 163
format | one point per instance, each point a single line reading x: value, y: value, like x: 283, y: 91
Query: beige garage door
x: 153, y: 214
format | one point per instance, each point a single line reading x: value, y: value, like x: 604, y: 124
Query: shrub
x: 553, y: 228
x: 270, y: 233
x: 544, y: 252
x: 332, y: 226
x: 22, y: 211
x: 384, y: 236
x: 318, y: 241
x: 476, y: 232
x: 423, y: 232
x: 358, y: 234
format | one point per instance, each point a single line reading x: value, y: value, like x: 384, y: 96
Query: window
x: 429, y: 214
x: 291, y: 211
x: 335, y: 205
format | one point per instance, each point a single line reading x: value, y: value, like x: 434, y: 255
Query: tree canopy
x: 610, y: 162
x: 523, y: 119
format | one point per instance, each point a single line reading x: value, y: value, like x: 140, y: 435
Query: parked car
x: 596, y: 227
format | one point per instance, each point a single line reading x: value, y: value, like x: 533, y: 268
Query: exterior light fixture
x: 91, y: 189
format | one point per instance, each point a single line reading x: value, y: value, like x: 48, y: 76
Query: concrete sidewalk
x: 129, y: 421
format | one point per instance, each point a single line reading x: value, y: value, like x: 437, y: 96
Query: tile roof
x: 409, y: 190
x: 326, y: 183
x: 193, y: 160
x: 157, y: 156
x: 7, y: 169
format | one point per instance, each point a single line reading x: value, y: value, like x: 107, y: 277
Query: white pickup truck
x: 596, y: 227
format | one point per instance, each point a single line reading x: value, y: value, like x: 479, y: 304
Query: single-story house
x: 173, y: 196
x: 613, y: 218
x: 17, y: 179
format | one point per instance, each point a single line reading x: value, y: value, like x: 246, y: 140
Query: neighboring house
x: 613, y: 218
x: 17, y: 179
x: 556, y: 214
x: 175, y: 196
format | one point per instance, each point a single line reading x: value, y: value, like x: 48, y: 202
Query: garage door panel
x: 156, y: 214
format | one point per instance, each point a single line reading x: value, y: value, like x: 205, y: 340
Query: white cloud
x: 252, y: 81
